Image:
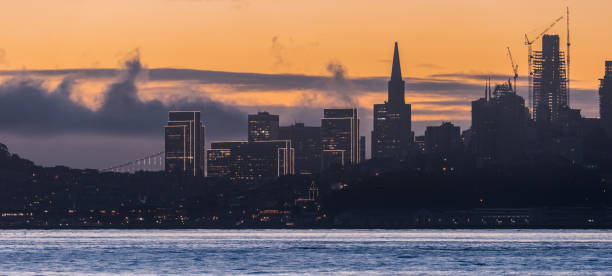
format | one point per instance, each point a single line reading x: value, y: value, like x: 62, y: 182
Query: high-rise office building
x: 263, y: 126
x: 250, y: 161
x: 444, y: 139
x: 340, y: 140
x: 482, y: 140
x: 362, y: 149
x: 307, y: 144
x: 392, y: 135
x: 220, y: 162
x: 500, y: 123
x: 184, y: 143
x: 550, y: 96
x: 202, y: 150
x: 605, y: 98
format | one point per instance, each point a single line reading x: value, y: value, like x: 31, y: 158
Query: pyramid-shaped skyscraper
x: 392, y: 136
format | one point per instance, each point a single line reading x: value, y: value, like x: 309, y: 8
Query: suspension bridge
x: 153, y: 162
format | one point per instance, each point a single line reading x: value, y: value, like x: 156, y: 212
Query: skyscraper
x: 263, y: 126
x: 605, y: 98
x: 483, y: 131
x: 340, y: 140
x: 184, y: 143
x: 362, y: 149
x: 550, y: 97
x: 500, y: 122
x: 307, y: 144
x: 203, y: 150
x: 392, y: 134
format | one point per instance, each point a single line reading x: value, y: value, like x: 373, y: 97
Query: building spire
x: 396, y: 84
x: 396, y: 71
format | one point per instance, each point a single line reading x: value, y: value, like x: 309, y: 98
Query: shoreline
x: 303, y: 228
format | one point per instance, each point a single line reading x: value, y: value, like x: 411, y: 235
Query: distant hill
x: 13, y: 162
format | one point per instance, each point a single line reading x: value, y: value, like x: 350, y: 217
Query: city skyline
x: 503, y: 132
x: 186, y: 137
x: 436, y: 95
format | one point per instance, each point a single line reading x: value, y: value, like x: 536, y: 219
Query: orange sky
x: 434, y: 35
x: 266, y: 36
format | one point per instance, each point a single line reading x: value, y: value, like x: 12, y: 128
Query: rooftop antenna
x: 489, y: 87
x: 486, y: 90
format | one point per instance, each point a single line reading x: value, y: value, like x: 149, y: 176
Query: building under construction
x: 550, y: 92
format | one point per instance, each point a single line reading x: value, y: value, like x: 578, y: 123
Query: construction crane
x: 514, y: 68
x: 529, y: 44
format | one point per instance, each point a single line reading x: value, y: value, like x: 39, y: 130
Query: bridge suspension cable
x: 153, y: 162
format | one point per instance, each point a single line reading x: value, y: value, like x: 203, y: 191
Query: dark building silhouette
x: 307, y: 144
x: 250, y: 161
x: 203, y: 149
x: 340, y: 140
x: 605, y: 99
x: 444, y: 139
x: 392, y: 134
x: 362, y: 148
x: 419, y: 143
x: 550, y: 96
x: 500, y: 125
x: 466, y: 137
x: 483, y: 130
x: 184, y: 143
x: 263, y: 126
x: 442, y: 148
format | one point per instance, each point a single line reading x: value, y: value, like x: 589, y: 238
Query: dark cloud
x: 447, y: 113
x: 27, y: 107
x: 471, y: 76
x: 343, y: 90
x: 442, y: 103
x: 89, y: 73
x: 336, y: 69
x: 309, y: 115
x: 336, y: 88
x: 268, y: 82
x: 337, y: 85
x: 338, y: 82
